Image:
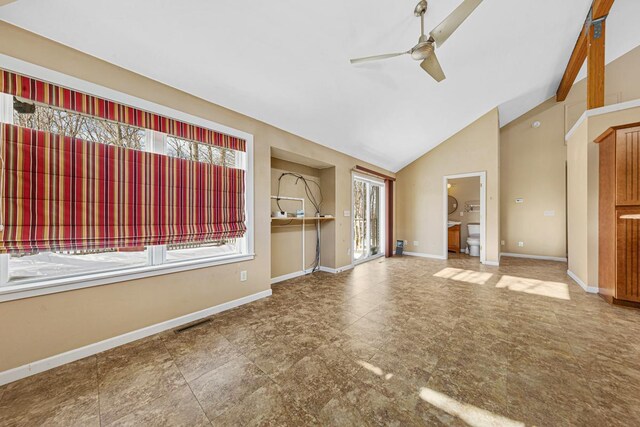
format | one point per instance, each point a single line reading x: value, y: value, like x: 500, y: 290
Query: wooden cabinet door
x: 454, y: 238
x: 628, y: 167
x: 628, y: 254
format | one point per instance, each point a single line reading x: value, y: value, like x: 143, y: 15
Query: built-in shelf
x: 306, y: 218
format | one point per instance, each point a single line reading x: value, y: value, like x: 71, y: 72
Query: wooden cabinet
x: 454, y: 238
x: 628, y: 167
x: 627, y: 254
x: 619, y: 215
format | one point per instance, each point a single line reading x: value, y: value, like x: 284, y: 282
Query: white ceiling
x: 286, y: 62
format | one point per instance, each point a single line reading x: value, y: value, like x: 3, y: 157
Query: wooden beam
x: 573, y: 68
x: 595, y: 66
x: 599, y: 9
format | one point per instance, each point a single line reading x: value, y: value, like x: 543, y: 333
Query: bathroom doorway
x: 465, y: 216
x: 367, y: 227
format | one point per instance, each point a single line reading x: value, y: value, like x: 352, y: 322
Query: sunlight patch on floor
x: 460, y: 275
x: 535, y: 287
x: 470, y: 414
x: 374, y: 369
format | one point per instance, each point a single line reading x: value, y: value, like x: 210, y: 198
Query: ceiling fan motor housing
x: 421, y: 8
x: 422, y: 50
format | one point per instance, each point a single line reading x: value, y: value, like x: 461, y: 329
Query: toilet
x: 473, y: 241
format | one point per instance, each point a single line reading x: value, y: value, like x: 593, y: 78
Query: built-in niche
x: 302, y: 215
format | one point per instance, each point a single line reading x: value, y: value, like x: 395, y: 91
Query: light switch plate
x: 549, y: 213
x: 521, y: 244
x: 519, y: 200
x: 243, y: 276
x: 347, y: 213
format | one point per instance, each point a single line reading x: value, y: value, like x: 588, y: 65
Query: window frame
x: 9, y: 292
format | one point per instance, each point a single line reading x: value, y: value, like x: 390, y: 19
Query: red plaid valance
x: 63, y: 193
x: 71, y: 100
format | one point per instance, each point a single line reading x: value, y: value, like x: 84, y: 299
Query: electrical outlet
x: 521, y: 244
x: 415, y: 243
x: 349, y: 251
x: 347, y: 213
x: 243, y: 276
x: 502, y: 242
x: 461, y: 213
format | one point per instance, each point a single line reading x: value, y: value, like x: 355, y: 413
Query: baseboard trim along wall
x: 422, y: 255
x: 336, y: 270
x: 542, y: 257
x: 492, y: 263
x: 309, y: 270
x: 589, y: 289
x: 39, y: 366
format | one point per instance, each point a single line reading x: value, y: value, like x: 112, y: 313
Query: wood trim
x: 388, y: 187
x: 607, y: 217
x: 613, y: 129
x: 623, y: 303
x: 595, y: 67
x: 374, y: 173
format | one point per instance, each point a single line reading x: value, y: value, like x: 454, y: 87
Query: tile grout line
x: 186, y: 382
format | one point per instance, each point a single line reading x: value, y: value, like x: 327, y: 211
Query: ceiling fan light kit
x: 425, y: 50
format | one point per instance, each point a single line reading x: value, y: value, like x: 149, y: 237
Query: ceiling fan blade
x: 376, y: 57
x: 433, y: 68
x: 451, y: 23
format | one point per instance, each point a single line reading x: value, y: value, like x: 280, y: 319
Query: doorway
x: 367, y: 226
x: 465, y: 215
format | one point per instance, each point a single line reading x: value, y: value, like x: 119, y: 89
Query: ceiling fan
x: 425, y: 50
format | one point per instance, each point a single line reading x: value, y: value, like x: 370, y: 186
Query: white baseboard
x: 542, y: 257
x: 36, y: 367
x: 589, y: 289
x: 492, y: 263
x: 336, y: 270
x: 309, y: 270
x: 421, y: 255
x: 293, y: 275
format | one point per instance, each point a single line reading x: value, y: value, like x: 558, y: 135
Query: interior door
x: 368, y: 219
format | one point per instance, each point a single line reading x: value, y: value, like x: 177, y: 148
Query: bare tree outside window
x: 199, y: 152
x: 62, y: 122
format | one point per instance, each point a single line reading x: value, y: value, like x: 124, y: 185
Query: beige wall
x: 577, y: 203
x: 583, y: 191
x: 39, y: 327
x: 533, y: 160
x: 420, y: 199
x: 465, y: 190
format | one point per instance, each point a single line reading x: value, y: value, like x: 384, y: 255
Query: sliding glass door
x: 368, y: 218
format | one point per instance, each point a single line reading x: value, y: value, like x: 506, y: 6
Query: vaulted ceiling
x: 286, y: 62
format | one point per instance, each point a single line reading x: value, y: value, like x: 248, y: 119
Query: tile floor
x: 404, y: 341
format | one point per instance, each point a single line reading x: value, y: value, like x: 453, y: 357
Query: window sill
x: 19, y: 291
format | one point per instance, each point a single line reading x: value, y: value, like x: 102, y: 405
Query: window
x: 198, y: 231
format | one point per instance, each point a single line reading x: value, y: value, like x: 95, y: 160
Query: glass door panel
x: 360, y: 229
x: 367, y: 219
x: 374, y: 220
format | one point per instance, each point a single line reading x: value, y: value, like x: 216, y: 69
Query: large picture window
x: 89, y: 188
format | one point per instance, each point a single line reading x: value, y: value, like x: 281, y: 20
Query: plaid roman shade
x: 63, y: 193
